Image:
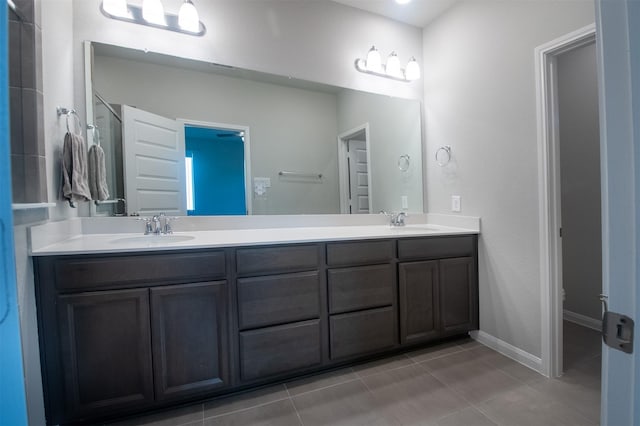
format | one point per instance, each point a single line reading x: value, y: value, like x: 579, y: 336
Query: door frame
x: 343, y: 171
x: 549, y: 193
x: 247, y: 149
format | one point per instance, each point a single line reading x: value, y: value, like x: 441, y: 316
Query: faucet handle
x: 167, y: 224
x: 148, y: 228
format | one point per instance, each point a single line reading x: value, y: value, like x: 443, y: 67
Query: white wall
x: 290, y: 128
x: 394, y: 130
x: 580, y: 181
x: 480, y: 99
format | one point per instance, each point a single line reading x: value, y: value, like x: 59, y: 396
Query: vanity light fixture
x: 152, y: 14
x: 403, y: 1
x: 373, y: 65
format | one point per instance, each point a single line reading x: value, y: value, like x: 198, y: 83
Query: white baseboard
x: 583, y: 320
x: 508, y: 350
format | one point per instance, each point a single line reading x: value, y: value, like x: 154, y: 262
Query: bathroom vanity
x: 124, y: 332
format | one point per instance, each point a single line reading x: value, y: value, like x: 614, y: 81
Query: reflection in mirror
x: 245, y: 142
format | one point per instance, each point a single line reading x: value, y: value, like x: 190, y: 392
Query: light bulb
x: 153, y: 12
x: 188, y: 18
x: 393, y: 66
x: 413, y: 70
x: 374, y: 62
x: 116, y: 8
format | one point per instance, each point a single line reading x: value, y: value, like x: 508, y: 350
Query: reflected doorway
x: 355, y: 181
x: 216, y: 164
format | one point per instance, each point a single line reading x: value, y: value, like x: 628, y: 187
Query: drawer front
x: 91, y: 273
x: 339, y: 254
x: 362, y: 287
x: 282, y: 349
x: 436, y: 247
x: 278, y: 299
x: 251, y: 261
x: 363, y: 332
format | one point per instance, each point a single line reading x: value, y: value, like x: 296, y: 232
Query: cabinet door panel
x: 268, y: 260
x: 190, y: 345
x: 363, y: 287
x: 458, y: 296
x: 105, y: 348
x: 273, y: 350
x: 436, y: 247
x: 278, y: 299
x: 363, y: 332
x: 419, y: 307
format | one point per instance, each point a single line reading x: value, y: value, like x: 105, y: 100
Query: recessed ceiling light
x: 402, y: 1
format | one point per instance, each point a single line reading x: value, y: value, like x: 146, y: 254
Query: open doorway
x: 354, y: 170
x: 217, y: 168
x: 570, y: 224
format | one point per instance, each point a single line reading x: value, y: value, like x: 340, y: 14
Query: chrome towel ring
x: 71, y: 113
x: 443, y: 155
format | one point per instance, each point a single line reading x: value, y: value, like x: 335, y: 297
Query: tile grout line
x: 294, y: 405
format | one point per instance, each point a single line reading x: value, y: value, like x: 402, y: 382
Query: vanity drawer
x: 361, y: 287
x: 343, y: 254
x: 278, y: 299
x: 265, y: 260
x: 91, y: 273
x: 363, y: 332
x: 436, y: 247
x: 282, y: 349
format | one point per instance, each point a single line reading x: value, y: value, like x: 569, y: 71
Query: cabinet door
x: 190, y: 345
x: 363, y: 332
x: 458, y: 295
x: 106, y: 351
x: 419, y: 308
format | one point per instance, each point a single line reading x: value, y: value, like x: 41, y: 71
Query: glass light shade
x: 153, y: 12
x: 374, y: 61
x: 413, y: 70
x: 116, y: 8
x: 188, y: 18
x: 393, y: 66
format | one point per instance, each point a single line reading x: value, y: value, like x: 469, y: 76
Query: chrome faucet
x: 159, y: 224
x: 397, y: 219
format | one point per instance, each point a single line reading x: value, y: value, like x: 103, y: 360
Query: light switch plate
x: 455, y: 203
x: 405, y: 202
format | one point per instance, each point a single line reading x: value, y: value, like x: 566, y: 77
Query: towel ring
x: 443, y: 155
x: 404, y: 162
x: 96, y: 133
x: 71, y: 113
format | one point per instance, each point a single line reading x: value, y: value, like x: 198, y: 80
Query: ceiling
x: 417, y: 12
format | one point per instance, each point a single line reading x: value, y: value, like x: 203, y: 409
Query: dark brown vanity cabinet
x: 114, y: 342
x: 121, y: 334
x: 437, y: 297
x: 362, y: 295
x: 280, y: 315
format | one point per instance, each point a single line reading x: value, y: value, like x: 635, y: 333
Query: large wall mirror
x: 187, y: 137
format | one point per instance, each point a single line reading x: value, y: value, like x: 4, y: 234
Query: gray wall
x: 290, y: 128
x: 480, y: 98
x: 580, y: 176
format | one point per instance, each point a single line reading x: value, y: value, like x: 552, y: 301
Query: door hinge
x: 560, y: 232
x: 617, y: 329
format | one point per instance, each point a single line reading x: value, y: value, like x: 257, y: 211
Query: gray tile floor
x: 461, y: 383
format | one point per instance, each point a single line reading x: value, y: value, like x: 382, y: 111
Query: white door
x: 154, y: 163
x: 358, y: 177
x: 618, y: 36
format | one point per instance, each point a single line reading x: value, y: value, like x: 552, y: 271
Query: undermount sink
x: 415, y: 228
x: 153, y: 239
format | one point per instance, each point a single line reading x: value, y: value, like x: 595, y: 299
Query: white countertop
x: 199, y: 239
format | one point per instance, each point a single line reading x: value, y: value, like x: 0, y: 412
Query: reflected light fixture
x: 403, y: 1
x: 152, y: 14
x: 373, y: 65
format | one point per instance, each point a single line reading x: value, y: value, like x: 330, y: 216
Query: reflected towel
x: 97, y: 174
x: 75, y: 178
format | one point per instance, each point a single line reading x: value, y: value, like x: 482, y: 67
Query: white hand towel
x: 75, y: 185
x: 97, y: 174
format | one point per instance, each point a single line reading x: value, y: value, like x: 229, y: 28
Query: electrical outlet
x: 455, y: 203
x: 405, y: 202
